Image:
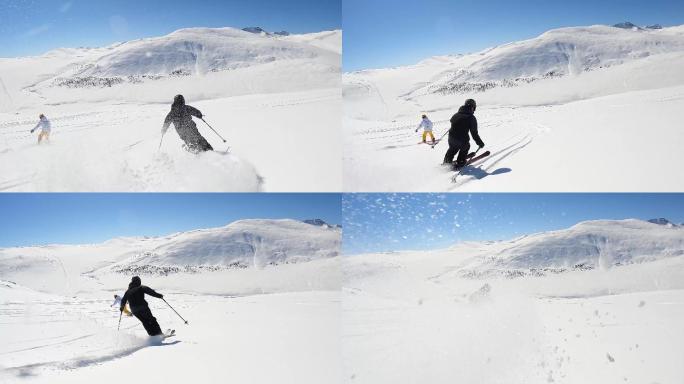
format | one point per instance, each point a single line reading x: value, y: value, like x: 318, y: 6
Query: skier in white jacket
x: 426, y: 124
x: 45, y: 128
x: 117, y: 303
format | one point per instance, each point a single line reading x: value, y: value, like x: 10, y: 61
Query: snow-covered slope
x: 536, y: 99
x: 599, y: 301
x: 279, y: 307
x: 107, y: 104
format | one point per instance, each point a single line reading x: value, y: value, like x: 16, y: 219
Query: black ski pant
x: 148, y: 321
x: 457, y: 147
x: 198, y: 145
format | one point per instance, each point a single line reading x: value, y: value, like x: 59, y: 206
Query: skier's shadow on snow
x: 480, y: 173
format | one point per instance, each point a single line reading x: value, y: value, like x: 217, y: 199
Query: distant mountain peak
x: 630, y: 25
x: 626, y: 25
x: 662, y: 221
x: 320, y: 223
x: 259, y: 30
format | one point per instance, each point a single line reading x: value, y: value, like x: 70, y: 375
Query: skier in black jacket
x: 181, y: 117
x: 462, y: 123
x: 135, y: 297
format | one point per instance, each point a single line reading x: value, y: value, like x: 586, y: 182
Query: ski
x: 429, y: 142
x: 168, y: 333
x: 473, y: 159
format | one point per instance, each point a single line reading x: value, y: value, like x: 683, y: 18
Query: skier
x: 117, y: 302
x: 45, y: 128
x: 462, y: 123
x: 135, y: 295
x: 426, y: 124
x: 181, y: 117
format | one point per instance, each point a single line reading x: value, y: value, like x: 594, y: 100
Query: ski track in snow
x: 506, y: 132
x: 450, y: 334
x: 76, y: 340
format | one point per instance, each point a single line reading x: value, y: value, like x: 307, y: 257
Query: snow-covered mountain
x: 181, y: 53
x: 245, y: 245
x: 591, y: 244
x: 259, y: 30
x: 242, y: 244
x: 664, y: 221
x: 558, y: 52
x: 599, y: 244
x: 321, y: 223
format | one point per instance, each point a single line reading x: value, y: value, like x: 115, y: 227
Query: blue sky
x: 384, y: 222
x: 35, y: 218
x: 29, y: 27
x: 386, y: 33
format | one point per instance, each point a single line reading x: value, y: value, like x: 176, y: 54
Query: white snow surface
x: 558, y: 112
x: 58, y: 326
x: 424, y: 316
x: 275, y: 99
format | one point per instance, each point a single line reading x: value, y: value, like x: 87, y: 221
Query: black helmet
x: 424, y: 116
x: 471, y: 103
x: 41, y: 116
x: 179, y: 100
x: 135, y: 282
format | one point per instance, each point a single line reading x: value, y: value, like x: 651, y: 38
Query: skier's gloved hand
x: 416, y: 129
x: 33, y: 130
x: 121, y: 309
x: 161, y: 296
x: 481, y: 145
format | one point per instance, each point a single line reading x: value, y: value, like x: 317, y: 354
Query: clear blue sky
x: 29, y: 27
x: 55, y: 218
x: 387, y: 33
x: 385, y: 222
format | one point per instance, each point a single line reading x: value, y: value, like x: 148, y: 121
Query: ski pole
x: 119, y: 326
x: 217, y: 134
x: 440, y: 139
x: 175, y: 311
x: 160, y: 142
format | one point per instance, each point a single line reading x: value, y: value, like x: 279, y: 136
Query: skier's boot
x: 457, y: 166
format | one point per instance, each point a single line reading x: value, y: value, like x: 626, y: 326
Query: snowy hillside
x: 243, y: 244
x: 599, y: 301
x: 109, y: 104
x: 590, y: 244
x: 239, y: 246
x: 255, y: 292
x: 559, y: 52
x: 535, y: 98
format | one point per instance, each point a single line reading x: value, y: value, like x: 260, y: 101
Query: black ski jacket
x: 461, y: 123
x: 181, y: 117
x: 135, y: 296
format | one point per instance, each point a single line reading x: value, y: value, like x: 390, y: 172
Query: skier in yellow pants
x: 117, y: 302
x: 426, y: 124
x: 45, y: 128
